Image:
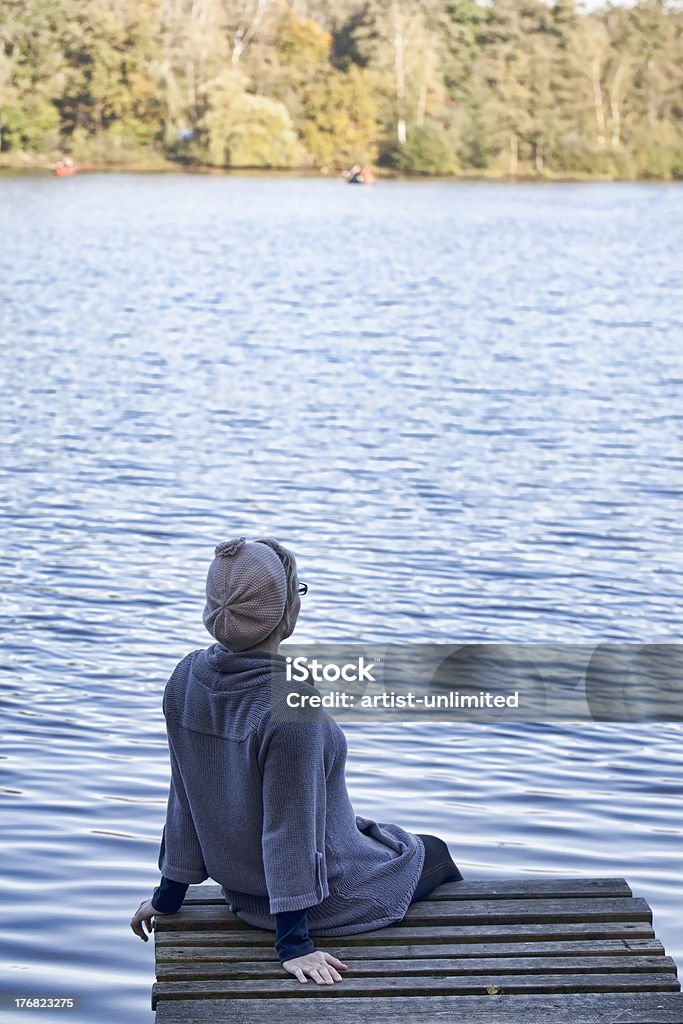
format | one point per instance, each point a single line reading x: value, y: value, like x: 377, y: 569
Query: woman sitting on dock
x: 259, y: 803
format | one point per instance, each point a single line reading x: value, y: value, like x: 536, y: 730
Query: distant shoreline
x: 42, y: 167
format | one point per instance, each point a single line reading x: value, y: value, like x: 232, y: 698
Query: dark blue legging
x: 438, y: 867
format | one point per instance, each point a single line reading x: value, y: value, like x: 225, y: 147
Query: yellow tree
x: 335, y: 111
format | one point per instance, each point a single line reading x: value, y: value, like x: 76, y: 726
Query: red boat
x: 65, y: 168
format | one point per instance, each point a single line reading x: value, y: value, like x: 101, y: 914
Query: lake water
x: 458, y: 403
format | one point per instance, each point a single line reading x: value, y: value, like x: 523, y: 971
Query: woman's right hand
x: 144, y: 916
x: 322, y: 967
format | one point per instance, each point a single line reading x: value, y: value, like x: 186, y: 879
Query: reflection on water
x: 455, y: 402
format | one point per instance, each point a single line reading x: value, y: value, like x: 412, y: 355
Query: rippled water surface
x: 459, y: 404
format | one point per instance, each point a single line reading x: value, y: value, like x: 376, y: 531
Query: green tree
x: 31, y: 74
x: 245, y: 130
x: 507, y: 41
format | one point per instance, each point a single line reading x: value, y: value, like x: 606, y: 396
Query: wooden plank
x: 528, y: 888
x: 397, y: 934
x: 539, y: 910
x: 432, y: 967
x: 511, y: 911
x: 626, y: 1008
x: 595, y: 948
x: 285, y: 986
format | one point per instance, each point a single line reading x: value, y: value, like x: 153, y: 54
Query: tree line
x: 422, y: 86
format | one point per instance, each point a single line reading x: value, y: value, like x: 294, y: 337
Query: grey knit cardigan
x: 260, y: 804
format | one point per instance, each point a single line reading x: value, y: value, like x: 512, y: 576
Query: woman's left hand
x: 143, y: 916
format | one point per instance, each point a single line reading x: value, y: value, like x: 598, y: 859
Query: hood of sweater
x: 224, y: 670
x: 222, y: 693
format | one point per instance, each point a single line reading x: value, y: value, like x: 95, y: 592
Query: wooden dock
x: 554, y: 951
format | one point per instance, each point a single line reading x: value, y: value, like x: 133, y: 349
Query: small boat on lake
x: 358, y: 175
x: 64, y: 168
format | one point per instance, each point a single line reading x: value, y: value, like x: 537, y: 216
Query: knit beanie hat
x: 246, y: 593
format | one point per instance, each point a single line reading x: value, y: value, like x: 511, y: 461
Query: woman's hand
x: 144, y: 915
x: 322, y: 967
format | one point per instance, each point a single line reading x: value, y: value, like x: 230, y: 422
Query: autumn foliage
x: 431, y: 87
